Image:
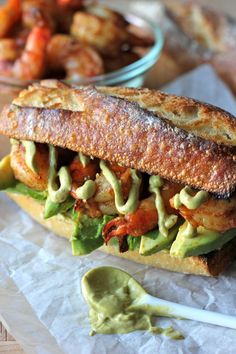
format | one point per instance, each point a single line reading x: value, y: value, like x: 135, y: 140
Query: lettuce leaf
x: 87, y: 235
x: 21, y: 188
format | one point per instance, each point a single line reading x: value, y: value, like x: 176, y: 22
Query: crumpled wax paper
x: 40, y: 297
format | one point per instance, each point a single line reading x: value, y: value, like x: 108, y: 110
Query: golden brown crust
x: 209, y: 265
x: 120, y: 131
x: 201, y: 119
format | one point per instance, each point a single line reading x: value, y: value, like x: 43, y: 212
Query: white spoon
x: 100, y: 282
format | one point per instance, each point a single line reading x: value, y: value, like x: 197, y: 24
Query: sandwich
x: 136, y: 173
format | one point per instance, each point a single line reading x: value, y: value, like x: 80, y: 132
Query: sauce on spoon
x: 111, y: 294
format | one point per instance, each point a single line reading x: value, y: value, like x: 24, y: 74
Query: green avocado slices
x: 204, y: 242
x: 154, y: 241
x: 87, y: 235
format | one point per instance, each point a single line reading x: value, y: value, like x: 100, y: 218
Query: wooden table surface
x: 7, y: 343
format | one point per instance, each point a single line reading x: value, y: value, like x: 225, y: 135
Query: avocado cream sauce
x: 57, y: 194
x: 110, y: 292
x: 132, y: 203
x: 30, y: 153
x: 87, y: 190
x: 84, y: 159
x: 165, y: 221
x: 186, y: 198
x: 187, y: 230
x: 14, y: 141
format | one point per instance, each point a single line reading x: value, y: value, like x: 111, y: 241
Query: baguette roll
x: 181, y: 143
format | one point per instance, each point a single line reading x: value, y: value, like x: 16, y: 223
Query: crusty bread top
x: 203, y: 120
x: 130, y: 133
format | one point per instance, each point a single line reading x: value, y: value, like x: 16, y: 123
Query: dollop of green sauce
x: 87, y: 190
x: 187, y: 230
x: 57, y: 194
x: 132, y: 202
x: 112, y: 295
x: 186, y: 198
x: 30, y: 153
x: 165, y: 221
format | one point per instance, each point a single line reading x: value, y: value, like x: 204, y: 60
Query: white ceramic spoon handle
x: 171, y: 309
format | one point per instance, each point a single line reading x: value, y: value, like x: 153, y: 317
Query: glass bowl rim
x: 126, y: 73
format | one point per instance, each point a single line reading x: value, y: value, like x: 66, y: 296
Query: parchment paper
x: 40, y: 297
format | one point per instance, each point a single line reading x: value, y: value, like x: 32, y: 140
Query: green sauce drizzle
x: 57, y: 194
x: 84, y: 159
x: 14, y: 141
x: 132, y: 203
x: 165, y: 221
x: 186, y: 198
x: 87, y: 190
x: 30, y: 153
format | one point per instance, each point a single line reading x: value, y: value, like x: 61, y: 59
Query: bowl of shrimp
x: 77, y: 41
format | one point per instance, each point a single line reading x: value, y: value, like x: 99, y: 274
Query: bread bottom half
x: 209, y: 265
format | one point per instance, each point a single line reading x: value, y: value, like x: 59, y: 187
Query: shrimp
x: 104, y: 196
x: 10, y: 14
x: 107, y: 31
x: 102, y: 203
x: 103, y: 34
x: 39, y: 13
x: 31, y: 64
x: 10, y: 49
x: 79, y: 173
x: 77, y: 60
x: 217, y: 215
x: 107, y: 13
x: 144, y: 219
x: 24, y: 174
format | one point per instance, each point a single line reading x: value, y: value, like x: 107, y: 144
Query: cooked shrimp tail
x: 10, y: 13
x: 31, y: 64
x: 135, y: 224
x: 39, y: 13
x: 77, y: 60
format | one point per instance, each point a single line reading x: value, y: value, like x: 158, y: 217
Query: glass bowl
x: 132, y: 75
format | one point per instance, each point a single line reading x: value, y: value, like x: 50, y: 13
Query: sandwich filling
x: 110, y: 203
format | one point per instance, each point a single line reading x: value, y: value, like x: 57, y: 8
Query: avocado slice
x: 7, y: 178
x: 51, y: 208
x: 154, y: 241
x: 204, y: 242
x: 87, y: 235
x: 133, y: 242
